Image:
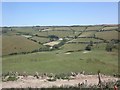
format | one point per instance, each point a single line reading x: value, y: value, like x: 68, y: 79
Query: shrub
x: 88, y: 48
x: 11, y: 78
x: 110, y: 46
x: 52, y: 79
x: 62, y: 76
x: 118, y: 83
x: 91, y: 43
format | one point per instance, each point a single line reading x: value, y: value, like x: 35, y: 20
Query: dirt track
x: 30, y: 81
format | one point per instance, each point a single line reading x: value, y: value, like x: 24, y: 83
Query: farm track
x: 31, y: 81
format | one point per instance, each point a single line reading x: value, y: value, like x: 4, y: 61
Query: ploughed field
x: 60, y: 49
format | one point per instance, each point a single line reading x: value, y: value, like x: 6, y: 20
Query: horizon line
x: 55, y: 25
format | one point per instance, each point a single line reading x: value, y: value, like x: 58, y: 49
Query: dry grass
x: 40, y: 39
x: 107, y: 28
x: 16, y: 44
x: 94, y: 28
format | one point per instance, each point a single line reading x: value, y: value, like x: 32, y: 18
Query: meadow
x: 108, y: 35
x: 16, y: 44
x: 60, y: 62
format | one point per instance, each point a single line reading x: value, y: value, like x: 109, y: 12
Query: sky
x: 59, y: 13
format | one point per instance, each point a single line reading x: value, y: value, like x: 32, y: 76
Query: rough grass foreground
x: 59, y: 81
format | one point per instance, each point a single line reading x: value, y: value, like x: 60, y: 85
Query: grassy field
x: 94, y: 28
x: 107, y: 35
x: 59, y: 60
x: 40, y: 39
x: 108, y: 28
x: 78, y: 28
x: 28, y: 30
x: 16, y: 44
x: 61, y: 33
x: 73, y: 47
x: 85, y: 40
x: 43, y: 33
x: 88, y: 34
x: 62, y: 28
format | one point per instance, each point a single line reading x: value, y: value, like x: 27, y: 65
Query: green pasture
x: 94, y: 27
x: 17, y: 44
x: 88, y: 34
x: 61, y: 59
x: 85, y: 40
x: 25, y: 30
x: 62, y: 28
x: 108, y: 35
x: 58, y: 62
x: 61, y: 33
x: 73, y: 47
x: 110, y: 27
x: 80, y: 28
x: 40, y: 39
x: 42, y: 33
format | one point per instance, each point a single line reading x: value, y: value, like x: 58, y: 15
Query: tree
x: 53, y: 37
x: 75, y: 37
x: 88, y: 48
x: 91, y: 43
x: 109, y: 46
x: 56, y: 46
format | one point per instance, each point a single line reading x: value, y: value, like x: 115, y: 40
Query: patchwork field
x: 63, y: 56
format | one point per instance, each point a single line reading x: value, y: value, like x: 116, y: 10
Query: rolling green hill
x: 66, y: 57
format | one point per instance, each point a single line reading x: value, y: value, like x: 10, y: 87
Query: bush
x: 88, y: 48
x: 53, y: 37
x: 110, y: 46
x: 11, y: 78
x: 91, y: 43
x: 118, y: 83
x: 51, y: 79
x: 62, y: 76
